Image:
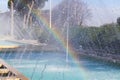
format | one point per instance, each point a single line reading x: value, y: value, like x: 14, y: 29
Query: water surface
x: 52, y: 66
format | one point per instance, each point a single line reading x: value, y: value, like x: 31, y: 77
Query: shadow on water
x: 95, y: 64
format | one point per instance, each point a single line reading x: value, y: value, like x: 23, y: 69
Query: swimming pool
x: 52, y: 66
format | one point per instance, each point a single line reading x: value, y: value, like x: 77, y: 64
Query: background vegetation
x: 103, y: 38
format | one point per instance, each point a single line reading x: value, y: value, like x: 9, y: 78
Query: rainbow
x: 56, y: 33
x: 58, y: 36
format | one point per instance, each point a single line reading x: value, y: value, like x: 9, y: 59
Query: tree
x: 25, y: 8
x: 24, y: 14
x: 118, y: 20
x: 74, y: 12
x: 22, y: 6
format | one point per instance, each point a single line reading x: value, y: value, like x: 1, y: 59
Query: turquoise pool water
x: 52, y: 66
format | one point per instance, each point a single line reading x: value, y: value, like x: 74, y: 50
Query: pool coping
x: 13, y: 70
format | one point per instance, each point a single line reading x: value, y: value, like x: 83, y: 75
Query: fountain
x: 42, y: 61
x: 67, y: 49
x: 12, y: 20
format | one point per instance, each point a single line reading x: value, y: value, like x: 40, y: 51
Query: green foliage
x: 118, y: 20
x: 22, y: 6
x: 104, y: 37
x: 43, y: 37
